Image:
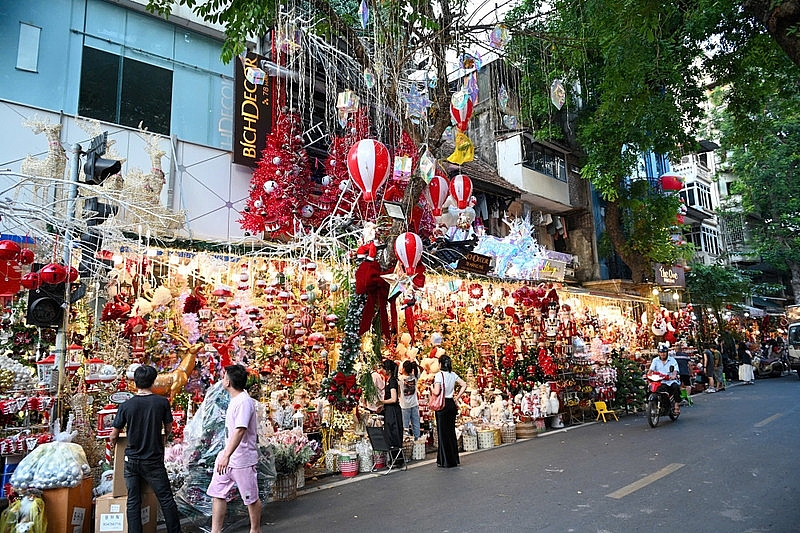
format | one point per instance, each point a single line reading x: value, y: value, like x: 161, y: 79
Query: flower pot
x: 285, y: 487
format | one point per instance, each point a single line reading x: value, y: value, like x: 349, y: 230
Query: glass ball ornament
x: 344, y: 186
x: 276, y: 160
x: 306, y: 211
x: 270, y: 186
x: 326, y: 180
x: 258, y: 204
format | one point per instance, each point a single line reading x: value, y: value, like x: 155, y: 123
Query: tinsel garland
x: 341, y: 388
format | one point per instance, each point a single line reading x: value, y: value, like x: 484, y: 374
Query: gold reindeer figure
x: 172, y: 383
x: 54, y: 163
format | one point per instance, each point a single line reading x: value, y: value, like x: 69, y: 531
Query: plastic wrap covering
x: 50, y: 466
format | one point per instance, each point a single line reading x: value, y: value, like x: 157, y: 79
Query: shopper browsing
x: 392, y: 413
x: 145, y: 415
x: 409, y: 401
x: 446, y: 418
x: 236, y: 464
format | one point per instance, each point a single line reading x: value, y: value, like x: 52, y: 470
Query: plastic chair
x: 602, y: 410
x: 377, y: 438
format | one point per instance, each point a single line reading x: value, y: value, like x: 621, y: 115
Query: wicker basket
x: 285, y: 487
x: 498, y: 436
x: 508, y: 433
x: 470, y: 442
x: 485, y: 439
x: 418, y: 450
x: 525, y: 430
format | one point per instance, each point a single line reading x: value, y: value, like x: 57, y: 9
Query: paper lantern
x: 436, y: 193
x: 368, y: 166
x: 461, y: 109
x: 408, y: 248
x: 671, y: 182
x: 461, y: 189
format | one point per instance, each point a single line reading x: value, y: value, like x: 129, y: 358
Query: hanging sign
x: 252, y: 120
x: 552, y: 270
x: 670, y: 276
x: 475, y: 263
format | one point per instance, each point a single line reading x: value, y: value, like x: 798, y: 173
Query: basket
x: 366, y: 461
x: 332, y: 461
x: 348, y: 465
x: 418, y: 450
x: 285, y: 487
x: 470, y: 442
x: 525, y: 430
x: 508, y: 433
x: 408, y: 447
x: 498, y: 437
x: 485, y: 439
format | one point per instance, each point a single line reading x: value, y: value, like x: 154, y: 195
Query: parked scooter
x: 767, y: 363
x: 660, y: 402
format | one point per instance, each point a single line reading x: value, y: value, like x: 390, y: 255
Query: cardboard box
x: 118, y: 488
x: 110, y: 515
x: 69, y: 510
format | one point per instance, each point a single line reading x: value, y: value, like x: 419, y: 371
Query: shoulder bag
x: 436, y: 401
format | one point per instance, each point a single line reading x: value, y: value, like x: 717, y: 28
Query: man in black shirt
x: 145, y: 415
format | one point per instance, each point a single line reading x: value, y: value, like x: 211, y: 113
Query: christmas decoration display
x: 408, y: 247
x: 368, y: 164
x: 461, y: 190
x: 558, y: 95
x: 281, y: 186
x: 341, y: 388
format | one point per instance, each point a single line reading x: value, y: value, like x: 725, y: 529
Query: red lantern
x: 436, y: 193
x: 408, y: 248
x: 671, y: 182
x: 53, y: 274
x: 26, y: 256
x: 368, y: 165
x: 461, y: 189
x: 31, y: 281
x: 72, y: 275
x: 462, y: 114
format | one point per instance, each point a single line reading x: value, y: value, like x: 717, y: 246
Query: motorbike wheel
x: 653, y: 411
x: 672, y: 415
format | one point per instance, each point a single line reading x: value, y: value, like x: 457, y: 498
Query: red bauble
x: 53, y: 274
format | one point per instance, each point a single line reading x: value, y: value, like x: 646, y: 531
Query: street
x: 728, y: 464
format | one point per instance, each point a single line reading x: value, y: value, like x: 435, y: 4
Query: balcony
x: 537, y: 168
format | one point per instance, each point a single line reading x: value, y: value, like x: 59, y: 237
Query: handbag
x: 436, y: 401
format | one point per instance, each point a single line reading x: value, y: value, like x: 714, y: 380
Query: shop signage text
x: 253, y: 112
x: 475, y: 263
x: 669, y: 276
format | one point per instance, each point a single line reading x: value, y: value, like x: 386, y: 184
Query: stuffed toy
x: 497, y: 408
x: 430, y: 367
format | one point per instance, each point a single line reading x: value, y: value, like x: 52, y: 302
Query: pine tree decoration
x: 280, y: 199
x: 631, y: 387
x: 341, y: 388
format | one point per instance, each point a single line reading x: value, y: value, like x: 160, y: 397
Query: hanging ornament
x: 461, y: 189
x: 558, y: 95
x: 436, y: 193
x: 449, y: 133
x: 306, y: 211
x: 464, y: 150
x: 472, y: 87
x: 499, y: 36
x: 503, y: 98
x: 369, y: 79
x: 31, y: 281
x: 402, y: 168
x: 270, y: 186
x: 510, y: 121
x: 672, y: 182
x: 461, y: 109
x: 470, y: 60
x: 427, y: 166
x: 418, y: 103
x: 368, y: 165
x: 26, y: 256
x: 9, y: 250
x: 363, y: 13
x: 53, y: 274
x: 408, y: 248
x: 244, y: 275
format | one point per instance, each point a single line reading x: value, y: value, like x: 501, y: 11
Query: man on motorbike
x: 666, y: 365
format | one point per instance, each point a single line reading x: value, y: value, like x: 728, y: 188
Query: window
x: 28, y: 47
x: 704, y: 238
x: 125, y: 91
x: 544, y: 160
x: 697, y: 195
x: 732, y: 225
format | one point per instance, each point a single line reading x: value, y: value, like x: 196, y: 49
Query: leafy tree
x: 633, y: 71
x: 712, y: 288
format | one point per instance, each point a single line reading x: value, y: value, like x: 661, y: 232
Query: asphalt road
x: 728, y: 464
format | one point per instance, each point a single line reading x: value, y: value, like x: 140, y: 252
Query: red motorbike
x: 660, y: 401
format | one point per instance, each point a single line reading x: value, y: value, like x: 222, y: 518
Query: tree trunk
x: 794, y: 268
x: 781, y: 19
x: 639, y: 265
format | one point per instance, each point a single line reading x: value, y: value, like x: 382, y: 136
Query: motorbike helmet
x: 663, y: 347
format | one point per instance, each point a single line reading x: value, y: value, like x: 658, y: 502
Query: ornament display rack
x: 579, y: 401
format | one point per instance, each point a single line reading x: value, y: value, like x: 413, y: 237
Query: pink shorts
x: 246, y: 479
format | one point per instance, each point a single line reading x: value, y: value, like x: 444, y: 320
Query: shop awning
x: 768, y: 306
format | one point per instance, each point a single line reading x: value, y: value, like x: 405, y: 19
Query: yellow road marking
x: 636, y: 485
x: 768, y: 420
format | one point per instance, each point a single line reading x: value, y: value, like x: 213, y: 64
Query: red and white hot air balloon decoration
x: 461, y: 109
x: 461, y: 190
x: 408, y: 248
x: 368, y: 165
x: 436, y: 193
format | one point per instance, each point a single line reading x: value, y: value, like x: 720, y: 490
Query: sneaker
x: 711, y: 390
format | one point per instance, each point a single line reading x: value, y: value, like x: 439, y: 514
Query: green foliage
x: 631, y: 387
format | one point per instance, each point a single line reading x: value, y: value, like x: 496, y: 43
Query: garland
x: 341, y: 388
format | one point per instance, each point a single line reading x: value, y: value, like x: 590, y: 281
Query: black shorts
x: 686, y: 380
